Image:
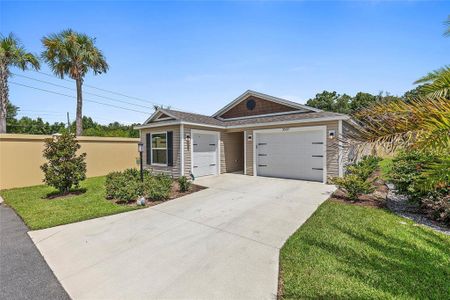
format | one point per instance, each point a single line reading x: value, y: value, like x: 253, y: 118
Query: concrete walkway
x: 222, y: 242
x: 23, y: 272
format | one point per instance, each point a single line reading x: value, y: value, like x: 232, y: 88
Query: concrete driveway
x: 222, y: 242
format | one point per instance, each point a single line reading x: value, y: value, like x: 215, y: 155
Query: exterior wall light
x: 331, y: 134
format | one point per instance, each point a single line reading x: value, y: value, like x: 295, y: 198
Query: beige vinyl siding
x: 233, y: 148
x: 174, y: 170
x: 332, y: 147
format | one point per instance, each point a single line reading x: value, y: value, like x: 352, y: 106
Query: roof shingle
x: 207, y: 120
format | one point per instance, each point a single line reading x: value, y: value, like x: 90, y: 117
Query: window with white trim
x: 159, y: 148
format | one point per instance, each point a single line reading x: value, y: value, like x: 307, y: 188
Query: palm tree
x: 12, y: 54
x: 73, y: 54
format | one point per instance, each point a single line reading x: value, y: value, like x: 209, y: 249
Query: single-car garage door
x: 297, y: 153
x: 204, y: 147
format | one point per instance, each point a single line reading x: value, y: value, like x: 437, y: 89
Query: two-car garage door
x: 297, y: 153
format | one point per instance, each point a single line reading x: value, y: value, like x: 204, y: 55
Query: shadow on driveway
x: 24, y: 274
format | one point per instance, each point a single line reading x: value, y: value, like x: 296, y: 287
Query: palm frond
x: 13, y: 53
x: 422, y: 123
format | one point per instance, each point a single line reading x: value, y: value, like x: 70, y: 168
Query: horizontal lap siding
x: 174, y: 170
x: 233, y: 147
x: 332, y: 149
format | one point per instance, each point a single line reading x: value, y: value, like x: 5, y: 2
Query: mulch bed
x: 174, y: 193
x: 376, y: 199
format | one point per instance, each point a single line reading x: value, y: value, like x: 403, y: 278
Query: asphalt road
x: 24, y: 274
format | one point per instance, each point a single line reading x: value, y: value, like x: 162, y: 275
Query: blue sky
x: 198, y: 56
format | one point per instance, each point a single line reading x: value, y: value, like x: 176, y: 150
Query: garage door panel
x: 296, y: 154
x: 204, y: 154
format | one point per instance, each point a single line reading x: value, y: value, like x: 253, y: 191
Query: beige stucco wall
x: 21, y: 157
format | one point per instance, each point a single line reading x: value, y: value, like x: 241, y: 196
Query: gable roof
x: 302, y: 113
x: 249, y: 93
x: 181, y: 117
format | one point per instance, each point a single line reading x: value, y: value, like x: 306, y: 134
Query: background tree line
x: 27, y: 125
x: 343, y: 103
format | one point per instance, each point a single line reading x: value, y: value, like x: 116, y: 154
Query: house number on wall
x: 285, y: 129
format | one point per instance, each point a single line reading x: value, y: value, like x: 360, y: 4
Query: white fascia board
x: 152, y: 125
x: 157, y: 113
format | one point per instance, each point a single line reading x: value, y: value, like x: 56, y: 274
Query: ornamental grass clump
x: 64, y: 169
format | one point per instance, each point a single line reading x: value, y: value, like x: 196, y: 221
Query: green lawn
x: 38, y: 212
x: 385, y: 166
x: 353, y: 252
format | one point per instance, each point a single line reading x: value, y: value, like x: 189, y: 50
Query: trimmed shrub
x: 157, y: 187
x: 124, y: 186
x: 365, y: 167
x: 354, y: 185
x: 406, y: 173
x: 184, y: 184
x: 64, y: 169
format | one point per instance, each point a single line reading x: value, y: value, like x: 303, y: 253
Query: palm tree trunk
x: 3, y: 96
x: 79, y: 117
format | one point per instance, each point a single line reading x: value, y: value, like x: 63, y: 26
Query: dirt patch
x: 58, y: 195
x: 175, y: 192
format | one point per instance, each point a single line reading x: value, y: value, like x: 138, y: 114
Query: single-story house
x: 255, y: 134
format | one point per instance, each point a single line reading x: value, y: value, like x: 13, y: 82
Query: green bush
x: 184, y: 184
x: 354, y: 185
x: 64, y: 169
x: 157, y: 187
x: 124, y: 186
x: 406, y: 173
x: 365, y: 167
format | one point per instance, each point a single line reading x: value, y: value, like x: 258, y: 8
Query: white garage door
x: 204, y: 154
x: 295, y: 153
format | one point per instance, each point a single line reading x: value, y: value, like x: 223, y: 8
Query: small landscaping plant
x: 124, y: 186
x: 184, y: 184
x: 406, y: 173
x: 64, y: 169
x: 157, y: 187
x: 410, y: 173
x: 127, y: 186
x: 356, y: 182
x: 354, y: 185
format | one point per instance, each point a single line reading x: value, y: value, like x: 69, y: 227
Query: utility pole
x: 68, y: 122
